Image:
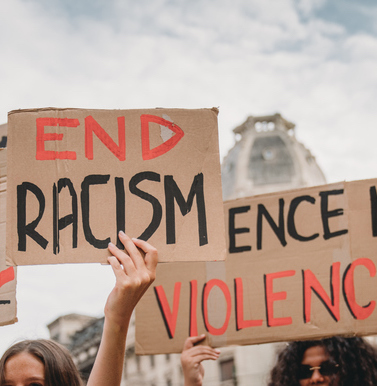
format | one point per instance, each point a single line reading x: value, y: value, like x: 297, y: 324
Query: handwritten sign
x: 8, y: 303
x: 77, y: 177
x: 301, y: 264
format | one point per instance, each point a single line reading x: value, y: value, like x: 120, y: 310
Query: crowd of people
x: 336, y: 361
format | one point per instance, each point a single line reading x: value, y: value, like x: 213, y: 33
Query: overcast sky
x: 314, y: 61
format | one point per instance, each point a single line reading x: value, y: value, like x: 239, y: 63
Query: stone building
x: 81, y: 334
x: 265, y: 158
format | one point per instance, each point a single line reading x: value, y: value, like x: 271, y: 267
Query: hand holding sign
x: 134, y: 274
x: 37, y: 358
x: 133, y: 277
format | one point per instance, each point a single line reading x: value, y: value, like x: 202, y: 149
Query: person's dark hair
x: 59, y: 367
x: 357, y: 361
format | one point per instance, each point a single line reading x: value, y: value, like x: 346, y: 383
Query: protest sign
x: 76, y: 177
x: 301, y: 264
x: 7, y: 274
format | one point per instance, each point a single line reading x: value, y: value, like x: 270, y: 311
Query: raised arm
x: 133, y: 274
x: 192, y: 357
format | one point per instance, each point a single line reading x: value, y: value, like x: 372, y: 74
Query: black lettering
x: 157, y: 209
x: 291, y: 219
x: 163, y: 314
x: 320, y: 297
x: 94, y: 179
x: 266, y: 301
x: 345, y: 295
x: 234, y: 231
x: 61, y: 223
x: 120, y: 208
x: 172, y: 194
x: 203, y: 313
x: 278, y: 229
x: 373, y: 207
x: 24, y: 230
x: 326, y: 214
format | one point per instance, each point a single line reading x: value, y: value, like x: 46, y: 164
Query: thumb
x: 191, y: 341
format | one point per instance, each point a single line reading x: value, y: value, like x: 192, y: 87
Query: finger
x: 151, y: 255
x: 116, y: 267
x: 136, y: 255
x: 123, y: 259
x: 206, y: 357
x: 129, y: 245
x: 191, y: 341
x: 203, y: 350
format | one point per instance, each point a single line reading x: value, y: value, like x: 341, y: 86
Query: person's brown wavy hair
x: 58, y: 364
x: 357, y: 361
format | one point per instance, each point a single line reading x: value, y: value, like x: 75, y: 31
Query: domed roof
x: 266, y: 158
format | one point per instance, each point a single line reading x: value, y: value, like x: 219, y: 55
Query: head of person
x: 333, y: 361
x: 38, y: 362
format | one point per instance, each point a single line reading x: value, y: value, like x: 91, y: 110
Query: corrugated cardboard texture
x: 301, y: 264
x: 8, y: 304
x: 153, y: 173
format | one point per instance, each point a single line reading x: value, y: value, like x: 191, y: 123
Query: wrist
x: 193, y: 382
x: 117, y: 324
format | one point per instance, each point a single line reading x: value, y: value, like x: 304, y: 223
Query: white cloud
x: 306, y: 7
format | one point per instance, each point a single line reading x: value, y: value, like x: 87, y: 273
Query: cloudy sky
x: 314, y: 61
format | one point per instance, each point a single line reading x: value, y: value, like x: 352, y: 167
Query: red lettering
x: 240, y: 322
x: 272, y: 297
x: 6, y: 276
x: 149, y: 153
x: 207, y: 289
x: 170, y: 317
x: 312, y: 283
x: 357, y: 311
x: 193, y: 331
x: 43, y: 154
x: 92, y: 126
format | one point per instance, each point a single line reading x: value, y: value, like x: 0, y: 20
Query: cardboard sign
x: 77, y: 177
x: 301, y: 264
x: 8, y: 305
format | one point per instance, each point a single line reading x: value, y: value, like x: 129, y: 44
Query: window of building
x: 138, y: 365
x: 125, y: 368
x: 227, y: 370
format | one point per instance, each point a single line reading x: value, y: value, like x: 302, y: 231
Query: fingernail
x: 217, y: 351
x: 121, y: 233
x: 111, y: 244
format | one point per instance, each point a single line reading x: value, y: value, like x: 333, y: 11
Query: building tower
x: 267, y: 158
